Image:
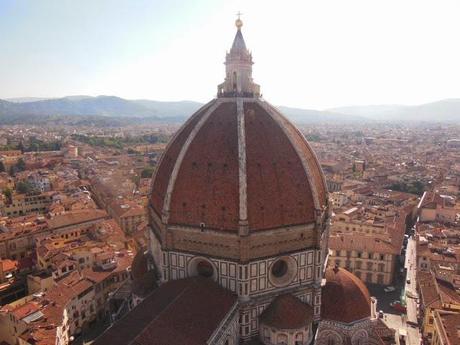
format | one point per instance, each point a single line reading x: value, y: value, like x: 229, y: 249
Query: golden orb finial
x: 238, y: 21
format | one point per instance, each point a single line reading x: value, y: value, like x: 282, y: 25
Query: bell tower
x: 238, y: 67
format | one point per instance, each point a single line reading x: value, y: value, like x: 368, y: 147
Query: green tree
x: 20, y: 165
x: 24, y: 187
x: 21, y: 147
x: 8, y: 195
x: 147, y: 173
x: 12, y: 170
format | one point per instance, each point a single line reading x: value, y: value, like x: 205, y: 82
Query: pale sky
x: 309, y: 53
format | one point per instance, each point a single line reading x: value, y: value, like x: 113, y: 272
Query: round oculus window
x: 204, y: 269
x: 283, y: 271
x: 279, y: 268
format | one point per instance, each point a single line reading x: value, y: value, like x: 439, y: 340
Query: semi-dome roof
x: 344, y: 298
x: 287, y: 312
x: 229, y: 166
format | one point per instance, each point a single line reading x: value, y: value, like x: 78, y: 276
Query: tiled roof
x: 8, y: 265
x: 448, y: 293
x: 185, y: 311
x: 450, y: 323
x: 25, y: 309
x: 282, y: 181
x: 428, y: 291
x: 76, y: 217
x: 344, y: 298
x: 287, y: 312
x: 362, y: 243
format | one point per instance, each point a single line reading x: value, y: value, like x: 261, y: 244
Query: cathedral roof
x: 227, y: 166
x: 287, y: 312
x: 344, y: 298
x: 185, y: 311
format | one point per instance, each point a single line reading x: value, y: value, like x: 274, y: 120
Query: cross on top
x: 239, y: 14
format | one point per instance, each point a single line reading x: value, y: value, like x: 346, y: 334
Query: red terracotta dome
x: 287, y: 312
x: 237, y: 162
x: 344, y: 298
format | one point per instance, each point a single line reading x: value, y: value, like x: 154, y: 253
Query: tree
x: 12, y: 170
x: 21, y: 147
x: 20, y: 165
x: 24, y: 187
x: 147, y: 173
x: 8, y: 195
x: 2, y: 167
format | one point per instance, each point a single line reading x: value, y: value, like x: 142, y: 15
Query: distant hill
x: 147, y: 110
x: 110, y: 106
x: 447, y: 110
x: 316, y: 116
x: 170, y: 109
x: 25, y: 99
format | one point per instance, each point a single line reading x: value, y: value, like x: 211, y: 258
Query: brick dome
x: 344, y: 298
x: 287, y: 312
x: 235, y: 165
x: 238, y: 180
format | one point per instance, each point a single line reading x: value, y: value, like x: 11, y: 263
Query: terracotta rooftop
x: 76, y: 217
x: 8, y: 265
x: 344, y: 298
x: 362, y: 243
x: 287, y: 312
x: 185, y: 311
x: 450, y: 327
x: 282, y: 175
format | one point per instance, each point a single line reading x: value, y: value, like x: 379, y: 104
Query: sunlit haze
x: 312, y: 54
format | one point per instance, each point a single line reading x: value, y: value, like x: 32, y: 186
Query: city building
x: 67, y: 308
x: 435, y: 295
x: 367, y: 243
x: 22, y: 204
x: 128, y: 214
x: 439, y: 207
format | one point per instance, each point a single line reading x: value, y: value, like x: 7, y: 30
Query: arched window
x: 200, y: 266
x: 234, y: 81
x: 299, y: 339
x: 360, y: 338
x: 282, y: 339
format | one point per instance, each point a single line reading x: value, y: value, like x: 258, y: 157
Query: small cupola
x: 238, y: 67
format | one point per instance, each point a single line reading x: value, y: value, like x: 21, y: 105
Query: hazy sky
x: 312, y: 54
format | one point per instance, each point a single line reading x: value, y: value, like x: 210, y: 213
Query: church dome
x: 344, y: 298
x: 287, y: 312
x: 223, y: 168
x: 237, y: 167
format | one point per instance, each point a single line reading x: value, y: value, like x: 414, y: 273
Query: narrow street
x: 413, y: 333
x: 404, y: 324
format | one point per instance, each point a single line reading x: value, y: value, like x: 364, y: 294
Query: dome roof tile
x: 268, y: 179
x: 344, y: 298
